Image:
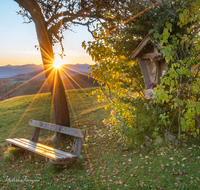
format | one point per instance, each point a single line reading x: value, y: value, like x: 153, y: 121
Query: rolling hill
x: 11, y: 71
x: 34, y: 82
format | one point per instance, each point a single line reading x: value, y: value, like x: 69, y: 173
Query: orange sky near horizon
x: 18, y: 40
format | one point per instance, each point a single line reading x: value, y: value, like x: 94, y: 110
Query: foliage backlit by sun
x: 58, y: 62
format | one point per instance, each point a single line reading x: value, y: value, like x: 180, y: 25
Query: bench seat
x: 52, y: 154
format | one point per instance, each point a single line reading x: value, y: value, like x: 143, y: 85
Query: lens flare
x: 58, y: 62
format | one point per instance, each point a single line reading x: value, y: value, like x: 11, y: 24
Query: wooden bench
x: 53, y: 155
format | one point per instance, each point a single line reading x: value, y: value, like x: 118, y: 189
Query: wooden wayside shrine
x: 152, y: 64
x: 53, y: 155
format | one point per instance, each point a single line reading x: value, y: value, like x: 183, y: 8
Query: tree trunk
x: 53, y: 78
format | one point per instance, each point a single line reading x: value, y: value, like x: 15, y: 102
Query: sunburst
x: 58, y: 62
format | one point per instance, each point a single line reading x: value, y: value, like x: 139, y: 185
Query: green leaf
x: 156, y: 35
x: 181, y: 17
x: 151, y: 31
x: 172, y: 83
x: 194, y: 134
x: 167, y: 81
x: 166, y: 34
x: 188, y: 72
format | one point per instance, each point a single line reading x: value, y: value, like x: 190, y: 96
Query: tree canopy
x: 118, y: 26
x: 175, y: 25
x: 51, y: 18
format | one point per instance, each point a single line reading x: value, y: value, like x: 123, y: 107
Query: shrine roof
x: 143, y: 43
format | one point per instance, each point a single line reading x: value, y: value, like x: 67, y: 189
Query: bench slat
x: 50, y: 149
x: 58, y: 128
x: 32, y: 148
x: 40, y: 149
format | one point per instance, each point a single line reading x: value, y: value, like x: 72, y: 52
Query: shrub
x: 132, y: 119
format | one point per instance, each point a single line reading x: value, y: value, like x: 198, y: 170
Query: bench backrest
x: 77, y: 133
x: 58, y: 128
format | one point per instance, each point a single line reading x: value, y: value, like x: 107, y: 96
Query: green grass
x: 104, y: 163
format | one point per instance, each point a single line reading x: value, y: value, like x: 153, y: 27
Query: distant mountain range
x: 10, y: 71
x: 30, y: 79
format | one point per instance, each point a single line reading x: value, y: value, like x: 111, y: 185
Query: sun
x: 58, y: 62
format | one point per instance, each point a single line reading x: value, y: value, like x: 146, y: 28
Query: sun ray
x: 54, y: 88
x: 66, y: 78
x: 135, y: 16
x: 64, y: 66
x: 85, y: 148
x: 25, y: 82
x: 78, y: 85
x: 16, y: 126
x: 58, y: 62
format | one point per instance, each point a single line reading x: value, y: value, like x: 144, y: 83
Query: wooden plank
x: 56, y: 150
x: 145, y: 73
x: 35, y: 134
x: 76, y: 148
x: 50, y: 149
x: 140, y: 46
x: 149, y: 55
x: 33, y: 147
x: 37, y: 149
x: 58, y: 128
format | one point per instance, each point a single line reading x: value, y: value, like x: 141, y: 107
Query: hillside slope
x: 16, y: 112
x: 38, y: 84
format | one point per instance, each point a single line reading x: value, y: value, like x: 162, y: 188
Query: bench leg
x: 35, y: 134
x: 14, y: 146
x: 76, y: 147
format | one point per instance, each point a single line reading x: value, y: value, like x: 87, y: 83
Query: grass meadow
x: 104, y: 162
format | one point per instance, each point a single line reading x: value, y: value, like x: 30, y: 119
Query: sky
x: 18, y: 40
